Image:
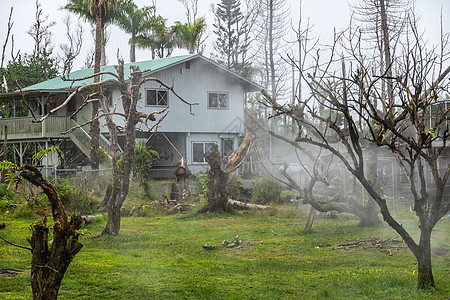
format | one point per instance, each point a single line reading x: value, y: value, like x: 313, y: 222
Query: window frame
x: 217, y: 95
x: 203, y: 151
x: 156, y: 95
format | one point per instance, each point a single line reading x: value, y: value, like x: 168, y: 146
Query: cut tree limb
x: 88, y: 219
x: 246, y: 205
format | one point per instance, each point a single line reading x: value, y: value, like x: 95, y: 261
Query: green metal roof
x: 150, y: 65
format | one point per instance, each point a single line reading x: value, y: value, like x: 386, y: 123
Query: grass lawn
x: 162, y: 257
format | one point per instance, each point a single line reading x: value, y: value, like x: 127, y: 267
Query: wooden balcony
x: 24, y: 129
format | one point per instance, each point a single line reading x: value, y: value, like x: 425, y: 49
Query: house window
x: 199, y: 149
x: 218, y: 100
x: 156, y: 97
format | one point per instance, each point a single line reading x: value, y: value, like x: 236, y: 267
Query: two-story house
x: 217, y: 119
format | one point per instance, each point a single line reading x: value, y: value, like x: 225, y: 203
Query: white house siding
x: 206, y: 124
x: 193, y: 85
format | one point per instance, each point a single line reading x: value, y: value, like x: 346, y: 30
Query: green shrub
x: 7, y: 197
x: 234, y: 188
x: 8, y: 194
x: 76, y: 200
x: 266, y: 190
x: 202, y: 188
x: 24, y: 212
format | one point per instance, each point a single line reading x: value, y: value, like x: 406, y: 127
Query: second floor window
x: 218, y: 100
x: 156, y: 97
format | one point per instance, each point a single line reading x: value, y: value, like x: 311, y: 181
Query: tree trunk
x: 121, y: 172
x: 113, y: 224
x: 423, y: 256
x: 48, y: 265
x: 132, y: 53
x: 369, y: 217
x: 218, y: 182
x: 94, y: 131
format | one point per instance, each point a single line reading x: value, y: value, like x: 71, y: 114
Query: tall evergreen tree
x: 230, y: 29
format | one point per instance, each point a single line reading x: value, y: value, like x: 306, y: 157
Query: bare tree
x: 72, y: 49
x: 50, y: 259
x: 219, y: 177
x: 407, y: 130
x: 272, y: 30
x: 40, y: 32
x: 191, y: 7
x: 8, y: 32
x: 129, y: 99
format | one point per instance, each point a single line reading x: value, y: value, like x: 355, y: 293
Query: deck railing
x: 24, y: 128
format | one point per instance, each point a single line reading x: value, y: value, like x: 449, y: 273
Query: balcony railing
x: 24, y: 128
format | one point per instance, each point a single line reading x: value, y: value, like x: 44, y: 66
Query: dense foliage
x: 266, y: 190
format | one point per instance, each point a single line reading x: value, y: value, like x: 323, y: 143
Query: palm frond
x: 44, y: 153
x: 7, y: 165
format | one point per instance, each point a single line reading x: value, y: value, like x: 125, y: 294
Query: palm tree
x: 134, y: 21
x: 160, y: 39
x: 189, y: 36
x: 100, y: 12
x: 87, y: 9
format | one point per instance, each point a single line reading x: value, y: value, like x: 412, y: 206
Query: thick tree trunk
x: 94, y: 133
x: 122, y: 170
x: 48, y: 265
x: 369, y: 216
x: 218, y: 178
x: 94, y: 130
x: 218, y: 182
x: 113, y: 224
x: 423, y: 256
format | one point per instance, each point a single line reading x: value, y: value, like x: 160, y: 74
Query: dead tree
x: 129, y: 99
x: 40, y: 32
x: 72, y: 49
x: 8, y: 32
x: 326, y: 197
x: 50, y: 260
x: 179, y: 189
x: 405, y: 127
x: 219, y: 178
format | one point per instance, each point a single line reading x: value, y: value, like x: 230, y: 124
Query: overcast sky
x: 324, y: 14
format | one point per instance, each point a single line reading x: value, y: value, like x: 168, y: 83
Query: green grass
x: 162, y: 258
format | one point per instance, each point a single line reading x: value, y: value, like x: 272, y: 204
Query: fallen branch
x: 246, y: 205
x: 237, y: 243
x: 138, y: 208
x: 26, y: 248
x: 90, y: 218
x: 384, y: 244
